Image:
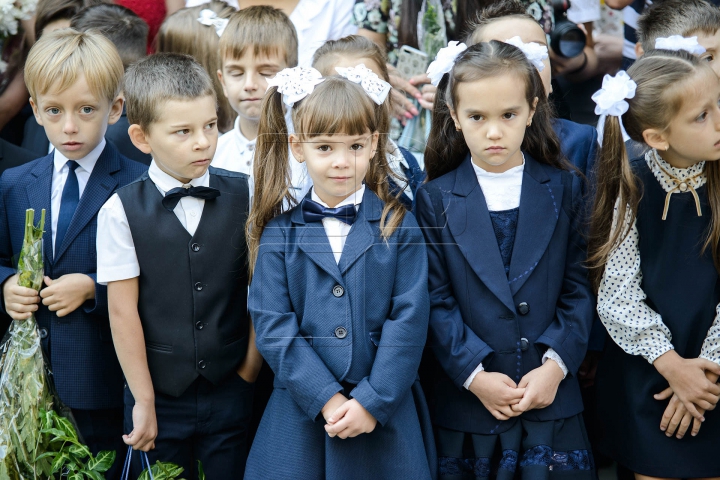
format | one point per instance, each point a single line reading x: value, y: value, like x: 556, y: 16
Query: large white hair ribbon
x: 534, y: 51
x: 611, y: 99
x: 295, y: 83
x: 211, y: 19
x: 374, y: 86
x: 678, y: 42
x: 444, y: 61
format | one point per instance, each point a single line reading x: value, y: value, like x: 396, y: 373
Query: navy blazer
x: 579, y: 144
x: 319, y: 323
x: 13, y: 156
x: 478, y: 314
x: 86, y: 371
x: 415, y: 177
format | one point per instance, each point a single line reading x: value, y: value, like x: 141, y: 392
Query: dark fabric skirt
x: 527, y: 451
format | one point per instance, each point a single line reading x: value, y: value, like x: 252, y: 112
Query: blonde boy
x: 74, y: 82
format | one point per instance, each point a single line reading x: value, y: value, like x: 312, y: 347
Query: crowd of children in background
x: 242, y: 267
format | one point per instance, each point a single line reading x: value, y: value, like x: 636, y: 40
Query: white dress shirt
x: 60, y: 174
x: 631, y: 323
x: 337, y: 230
x: 116, y: 257
x: 502, y: 192
x: 317, y: 21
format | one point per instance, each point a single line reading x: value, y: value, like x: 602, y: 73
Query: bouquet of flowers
x: 11, y: 12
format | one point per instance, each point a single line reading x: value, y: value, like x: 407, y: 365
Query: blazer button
x: 199, y: 325
x: 338, y: 291
x: 43, y: 333
x: 341, y: 332
x: 523, y: 308
x: 524, y: 344
x: 198, y: 286
x: 195, y: 247
x: 201, y: 364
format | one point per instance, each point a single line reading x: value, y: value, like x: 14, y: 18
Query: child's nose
x: 494, y: 131
x: 70, y: 126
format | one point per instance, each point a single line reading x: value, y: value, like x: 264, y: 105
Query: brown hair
x: 336, y: 106
x: 265, y: 29
x: 158, y: 78
x: 446, y: 148
x: 676, y: 17
x: 496, y: 11
x: 182, y: 33
x: 64, y: 55
x: 49, y: 11
x: 660, y: 76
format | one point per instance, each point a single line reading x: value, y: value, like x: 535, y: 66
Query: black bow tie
x: 173, y: 196
x: 314, y: 212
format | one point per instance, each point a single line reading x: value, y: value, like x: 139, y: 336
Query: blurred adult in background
x: 153, y: 12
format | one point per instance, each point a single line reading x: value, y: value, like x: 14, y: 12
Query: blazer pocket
x: 158, y: 347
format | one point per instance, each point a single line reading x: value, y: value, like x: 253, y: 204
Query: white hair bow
x: 295, y: 83
x: 376, y: 88
x: 678, y: 42
x: 211, y: 19
x: 534, y: 51
x: 444, y: 61
x: 610, y: 99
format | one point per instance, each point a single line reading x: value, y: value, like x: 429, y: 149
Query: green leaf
x: 80, y: 451
x: 102, y: 461
x: 65, y: 425
x: 75, y: 476
x: 201, y: 471
x: 169, y: 469
x: 93, y: 474
x: 59, y: 462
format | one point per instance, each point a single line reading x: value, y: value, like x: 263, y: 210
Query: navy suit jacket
x: 578, y: 143
x: 86, y: 371
x: 477, y: 312
x: 415, y: 177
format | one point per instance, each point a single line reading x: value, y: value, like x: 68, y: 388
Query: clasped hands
x: 63, y: 295
x: 505, y: 399
x: 346, y: 418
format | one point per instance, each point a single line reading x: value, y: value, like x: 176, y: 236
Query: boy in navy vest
x: 171, y: 247
x: 74, y: 82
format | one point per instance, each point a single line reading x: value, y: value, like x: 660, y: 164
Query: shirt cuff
x: 472, y: 376
x: 551, y: 354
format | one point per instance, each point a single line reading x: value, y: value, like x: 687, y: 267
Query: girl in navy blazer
x: 338, y: 296
x: 510, y: 304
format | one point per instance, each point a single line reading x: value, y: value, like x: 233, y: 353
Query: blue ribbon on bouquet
x: 128, y: 460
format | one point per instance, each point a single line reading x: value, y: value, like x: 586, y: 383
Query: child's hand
x: 20, y: 302
x: 540, y: 386
x: 64, y: 295
x: 350, y: 420
x: 676, y: 417
x: 145, y: 428
x: 689, y: 382
x: 497, y: 392
x: 332, y: 405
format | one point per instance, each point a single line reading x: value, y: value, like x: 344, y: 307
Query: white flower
x: 534, y: 52
x: 610, y: 99
x: 211, y: 19
x: 295, y: 83
x: 678, y: 42
x: 376, y: 88
x: 444, y: 61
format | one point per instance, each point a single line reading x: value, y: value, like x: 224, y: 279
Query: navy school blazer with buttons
x: 578, y: 143
x: 86, y: 371
x: 478, y: 314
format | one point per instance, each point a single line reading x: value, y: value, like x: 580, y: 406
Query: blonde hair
x: 182, y: 33
x: 59, y: 58
x: 336, y: 106
x: 265, y: 29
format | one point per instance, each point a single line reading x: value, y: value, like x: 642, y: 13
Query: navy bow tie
x: 314, y: 212
x: 173, y: 196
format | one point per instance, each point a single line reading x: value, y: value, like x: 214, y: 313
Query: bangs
x: 335, y: 106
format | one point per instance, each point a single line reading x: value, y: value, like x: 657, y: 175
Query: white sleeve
x: 472, y: 376
x: 343, y: 24
x: 551, y: 354
x: 711, y: 346
x: 116, y: 257
x: 631, y: 323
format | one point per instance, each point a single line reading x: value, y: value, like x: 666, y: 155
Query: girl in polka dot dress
x: 657, y: 270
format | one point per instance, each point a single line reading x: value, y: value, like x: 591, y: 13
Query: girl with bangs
x: 338, y: 296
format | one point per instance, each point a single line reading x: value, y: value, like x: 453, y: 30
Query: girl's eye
x: 53, y: 111
x: 210, y: 126
x: 701, y: 118
x: 184, y: 131
x: 476, y: 118
x: 709, y: 58
x: 356, y: 146
x: 87, y: 110
x: 509, y: 116
x: 324, y: 148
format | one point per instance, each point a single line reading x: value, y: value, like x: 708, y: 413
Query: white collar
x: 87, y: 163
x: 513, y: 172
x: 660, y: 169
x: 352, y: 199
x: 166, y: 182
x: 243, y: 142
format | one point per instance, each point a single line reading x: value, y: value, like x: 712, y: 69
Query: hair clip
x: 211, y: 19
x: 610, y: 100
x: 295, y: 83
x: 535, y: 52
x: 444, y: 61
x: 678, y: 42
x: 374, y: 86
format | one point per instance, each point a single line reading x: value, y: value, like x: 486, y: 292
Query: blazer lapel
x: 313, y: 241
x: 540, y: 203
x: 470, y: 225
x: 361, y: 237
x: 39, y: 196
x: 99, y: 188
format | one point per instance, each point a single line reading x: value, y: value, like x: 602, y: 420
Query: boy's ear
x: 656, y: 139
x: 296, y: 147
x: 139, y: 138
x: 639, y: 52
x: 116, y: 109
x: 35, y: 112
x: 222, y: 82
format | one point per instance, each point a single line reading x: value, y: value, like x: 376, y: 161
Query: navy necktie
x: 314, y: 212
x: 68, y: 203
x: 173, y: 196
